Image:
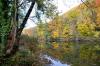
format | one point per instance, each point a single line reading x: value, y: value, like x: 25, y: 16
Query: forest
x: 69, y: 39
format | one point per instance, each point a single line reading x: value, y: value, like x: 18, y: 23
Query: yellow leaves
x: 41, y: 46
x: 55, y: 34
x: 55, y: 45
x: 41, y: 32
x: 65, y: 32
x: 85, y: 28
x: 60, y: 25
x: 88, y: 53
x: 97, y: 34
x: 73, y: 14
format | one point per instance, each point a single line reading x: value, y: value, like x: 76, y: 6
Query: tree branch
x: 15, y: 44
x: 26, y: 17
x: 85, y: 3
x: 21, y: 4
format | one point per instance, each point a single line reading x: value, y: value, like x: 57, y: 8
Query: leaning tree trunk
x: 14, y: 36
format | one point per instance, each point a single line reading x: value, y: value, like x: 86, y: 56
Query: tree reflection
x: 87, y: 54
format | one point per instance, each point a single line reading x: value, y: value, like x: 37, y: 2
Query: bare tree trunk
x: 14, y: 36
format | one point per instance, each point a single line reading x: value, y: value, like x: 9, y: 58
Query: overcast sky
x: 63, y: 6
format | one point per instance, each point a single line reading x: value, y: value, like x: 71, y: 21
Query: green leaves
x: 4, y: 24
x: 40, y: 4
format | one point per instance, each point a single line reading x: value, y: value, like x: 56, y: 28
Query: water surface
x: 72, y: 54
x: 54, y: 62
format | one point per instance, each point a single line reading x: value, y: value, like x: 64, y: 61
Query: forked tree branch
x: 15, y: 45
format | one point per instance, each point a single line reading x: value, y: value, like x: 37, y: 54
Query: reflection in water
x: 75, y: 54
x: 54, y: 61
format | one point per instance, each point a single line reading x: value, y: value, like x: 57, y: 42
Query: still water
x: 72, y: 54
x: 54, y: 62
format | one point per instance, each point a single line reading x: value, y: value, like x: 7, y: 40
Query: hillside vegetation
x: 81, y: 21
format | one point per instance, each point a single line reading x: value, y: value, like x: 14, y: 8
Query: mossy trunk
x: 14, y: 36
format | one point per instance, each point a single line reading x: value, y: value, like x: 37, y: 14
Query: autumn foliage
x: 97, y: 3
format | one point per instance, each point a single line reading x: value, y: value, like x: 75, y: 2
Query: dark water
x: 73, y: 53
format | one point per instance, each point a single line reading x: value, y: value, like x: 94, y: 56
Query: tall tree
x: 43, y: 7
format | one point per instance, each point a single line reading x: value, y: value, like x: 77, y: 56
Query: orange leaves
x: 97, y: 3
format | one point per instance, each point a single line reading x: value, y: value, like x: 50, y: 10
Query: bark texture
x: 14, y: 36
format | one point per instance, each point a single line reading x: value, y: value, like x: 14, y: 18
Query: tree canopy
x: 14, y: 19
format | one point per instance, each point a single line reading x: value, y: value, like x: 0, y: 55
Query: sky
x: 62, y: 6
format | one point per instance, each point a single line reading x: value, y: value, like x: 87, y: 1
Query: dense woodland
x: 80, y: 22
x: 63, y: 37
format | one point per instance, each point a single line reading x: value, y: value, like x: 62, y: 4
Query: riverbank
x: 74, y: 39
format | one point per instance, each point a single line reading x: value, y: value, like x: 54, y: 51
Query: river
x: 72, y: 54
x: 54, y: 62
